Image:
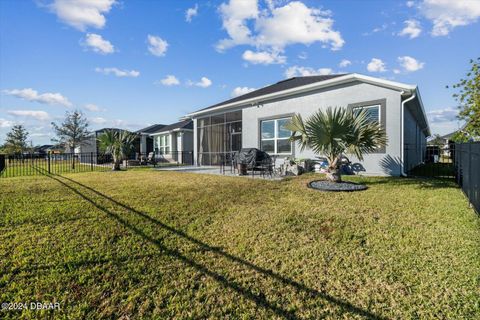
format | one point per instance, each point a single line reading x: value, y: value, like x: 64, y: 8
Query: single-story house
x: 174, y: 142
x: 256, y: 119
x: 146, y: 140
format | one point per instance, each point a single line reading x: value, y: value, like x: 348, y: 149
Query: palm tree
x: 335, y: 132
x: 118, y: 143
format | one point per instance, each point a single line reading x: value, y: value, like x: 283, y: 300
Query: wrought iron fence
x: 14, y: 165
x: 434, y: 161
x: 467, y: 163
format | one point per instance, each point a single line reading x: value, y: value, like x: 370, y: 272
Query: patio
x: 219, y: 170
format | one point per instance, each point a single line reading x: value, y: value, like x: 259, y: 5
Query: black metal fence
x: 467, y: 163
x: 433, y: 161
x: 58, y: 163
x: 15, y: 165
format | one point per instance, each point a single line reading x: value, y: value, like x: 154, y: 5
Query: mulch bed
x: 344, y: 186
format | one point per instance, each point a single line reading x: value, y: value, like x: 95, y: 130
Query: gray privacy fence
x: 467, y: 165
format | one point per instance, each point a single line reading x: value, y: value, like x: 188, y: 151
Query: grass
x: 152, y: 244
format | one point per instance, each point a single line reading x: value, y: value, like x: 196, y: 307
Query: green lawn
x: 151, y: 244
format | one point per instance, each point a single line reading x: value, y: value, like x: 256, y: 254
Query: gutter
x: 402, y: 135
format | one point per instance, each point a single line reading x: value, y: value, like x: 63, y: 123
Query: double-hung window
x: 275, y: 137
x: 373, y: 112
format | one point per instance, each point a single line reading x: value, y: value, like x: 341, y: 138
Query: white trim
x: 379, y: 106
x: 313, y: 86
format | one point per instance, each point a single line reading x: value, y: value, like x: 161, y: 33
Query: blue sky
x: 134, y: 63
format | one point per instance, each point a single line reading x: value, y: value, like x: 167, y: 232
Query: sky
x: 130, y: 64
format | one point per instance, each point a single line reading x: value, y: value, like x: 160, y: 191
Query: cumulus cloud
x: 170, y: 80
x: 118, y: 73
x: 447, y: 14
x: 203, y: 83
x: 38, y: 115
x: 376, y: 65
x: 239, y: 91
x: 410, y: 64
x: 298, y: 71
x: 156, y: 45
x: 412, y: 29
x: 410, y: 4
x: 273, y: 28
x: 263, y: 57
x: 93, y: 107
x: 33, y: 95
x: 5, y: 123
x: 98, y: 120
x: 96, y: 43
x: 191, y: 12
x: 344, y: 63
x: 442, y: 115
x: 82, y: 14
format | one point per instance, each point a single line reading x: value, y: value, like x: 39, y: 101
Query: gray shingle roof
x: 152, y: 129
x: 279, y: 86
x: 185, y: 124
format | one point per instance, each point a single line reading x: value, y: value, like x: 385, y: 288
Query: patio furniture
x: 254, y: 160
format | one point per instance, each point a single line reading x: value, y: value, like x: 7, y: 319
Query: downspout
x: 402, y: 137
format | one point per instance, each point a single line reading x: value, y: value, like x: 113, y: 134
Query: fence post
x: 48, y: 162
x: 91, y: 161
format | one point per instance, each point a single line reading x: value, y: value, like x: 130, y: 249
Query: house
x: 146, y: 140
x: 257, y: 119
x: 174, y: 142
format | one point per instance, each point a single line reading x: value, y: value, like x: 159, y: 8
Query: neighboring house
x: 174, y: 141
x: 146, y: 140
x: 256, y: 119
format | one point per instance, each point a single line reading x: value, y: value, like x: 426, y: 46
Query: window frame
x: 275, y: 138
x: 166, y: 147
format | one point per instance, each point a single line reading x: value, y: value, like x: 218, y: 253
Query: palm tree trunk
x: 334, y: 175
x: 116, y: 164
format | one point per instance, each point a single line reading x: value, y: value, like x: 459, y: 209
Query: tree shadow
x: 259, y: 298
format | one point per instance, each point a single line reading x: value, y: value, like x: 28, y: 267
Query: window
x: 274, y: 138
x: 373, y: 112
x: 163, y: 144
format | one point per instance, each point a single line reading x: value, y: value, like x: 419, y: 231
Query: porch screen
x: 218, y: 135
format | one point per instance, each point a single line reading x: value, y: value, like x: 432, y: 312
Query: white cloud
x: 170, y: 80
x: 273, y: 28
x: 157, y: 46
x: 410, y: 4
x: 263, y: 57
x: 97, y: 44
x: 412, y: 29
x: 38, y: 115
x: 82, y: 14
x: 344, y: 63
x: 396, y: 71
x: 203, y: 83
x: 5, y: 123
x: 191, y: 12
x: 239, y: 91
x: 410, y: 64
x: 442, y: 115
x: 117, y: 72
x: 98, y: 120
x: 93, y: 107
x: 376, y: 65
x: 303, y: 55
x: 45, y: 98
x: 449, y: 14
x: 298, y: 71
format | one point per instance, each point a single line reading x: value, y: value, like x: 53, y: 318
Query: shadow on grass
x: 259, y: 298
x: 415, y: 182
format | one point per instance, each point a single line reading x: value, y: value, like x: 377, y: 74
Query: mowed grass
x: 151, y: 244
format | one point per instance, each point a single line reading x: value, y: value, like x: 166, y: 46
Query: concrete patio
x: 217, y: 170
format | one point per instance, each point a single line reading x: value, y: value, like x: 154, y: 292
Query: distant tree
x: 72, y: 132
x: 118, y: 143
x: 436, y: 141
x: 16, y: 140
x: 468, y: 97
